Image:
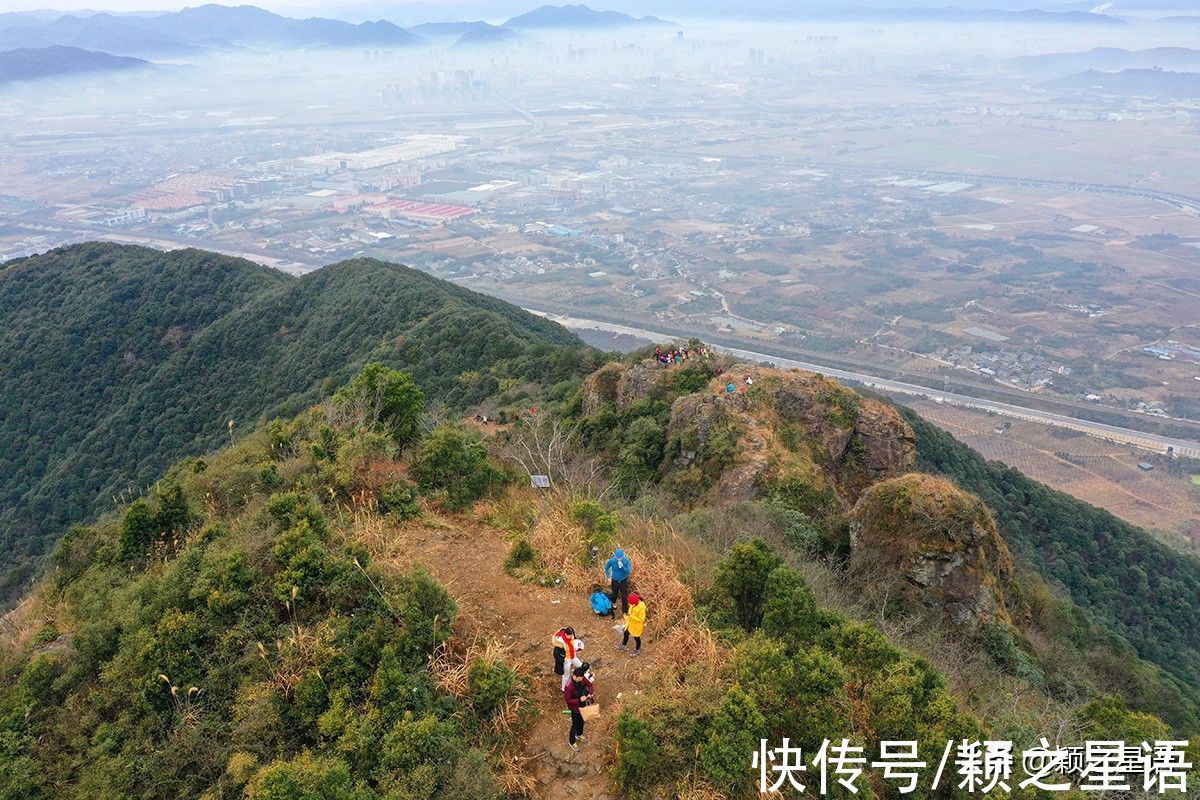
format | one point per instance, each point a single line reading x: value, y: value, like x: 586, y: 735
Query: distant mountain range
x: 465, y: 33
x: 579, y: 16
x: 194, y: 29
x: 32, y: 63
x: 1108, y: 59
x: 946, y: 14
x: 483, y: 34
x: 1134, y: 82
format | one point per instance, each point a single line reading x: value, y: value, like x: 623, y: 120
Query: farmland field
x: 1099, y: 472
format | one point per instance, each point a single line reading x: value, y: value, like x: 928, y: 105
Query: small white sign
x: 540, y: 481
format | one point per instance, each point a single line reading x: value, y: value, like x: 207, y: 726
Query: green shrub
x: 489, y: 685
x: 174, y: 514
x: 1000, y: 642
x: 741, y: 580
x: 417, y: 741
x: 304, y: 561
x: 473, y: 778
x: 383, y: 397
x: 732, y: 736
x: 1110, y: 718
x: 789, y: 608
x: 521, y: 555
x: 601, y: 525
x: 139, y: 529
x: 639, y: 760
x: 399, y: 499
x: 307, y: 778
x: 453, y: 460
x: 269, y: 477
x: 289, y: 509
x: 640, y: 454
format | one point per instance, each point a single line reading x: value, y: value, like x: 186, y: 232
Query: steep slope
x: 810, y: 448
x: 119, y: 360
x: 1133, y: 584
x: 263, y: 623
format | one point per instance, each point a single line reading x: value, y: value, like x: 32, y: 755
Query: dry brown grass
x: 22, y: 624
x: 451, y: 663
x: 690, y: 653
x: 515, y: 774
x: 450, y: 667
x: 668, y: 600
x: 561, y: 545
x: 288, y: 659
x: 697, y: 790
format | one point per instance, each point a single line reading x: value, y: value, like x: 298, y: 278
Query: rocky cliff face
x: 929, y: 545
x: 785, y: 432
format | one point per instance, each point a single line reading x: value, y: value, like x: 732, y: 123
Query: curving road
x: 1113, y: 433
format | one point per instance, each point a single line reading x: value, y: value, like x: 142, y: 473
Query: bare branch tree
x: 542, y: 444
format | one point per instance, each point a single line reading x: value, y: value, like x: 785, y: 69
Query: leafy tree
x: 454, y: 460
x: 789, y: 608
x: 734, y: 733
x: 139, y: 529
x: 174, y: 515
x: 386, y: 397
x: 741, y: 580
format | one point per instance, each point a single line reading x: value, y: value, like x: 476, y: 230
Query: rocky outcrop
x: 621, y: 385
x: 600, y: 388
x: 791, y: 427
x: 923, y: 543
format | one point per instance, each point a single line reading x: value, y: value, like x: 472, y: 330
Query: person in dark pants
x: 618, y: 568
x: 635, y: 624
x: 577, y: 694
x: 564, y: 645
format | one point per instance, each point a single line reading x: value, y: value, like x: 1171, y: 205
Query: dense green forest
x: 115, y: 361
x: 230, y: 636
x: 1133, y: 584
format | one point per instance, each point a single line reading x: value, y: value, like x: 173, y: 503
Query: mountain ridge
x: 579, y: 16
x: 195, y: 29
x: 34, y: 63
x: 173, y: 384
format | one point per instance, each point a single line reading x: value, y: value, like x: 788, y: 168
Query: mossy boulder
x: 923, y: 543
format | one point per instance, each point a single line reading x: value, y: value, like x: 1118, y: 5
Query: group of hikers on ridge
x: 678, y: 355
x: 577, y: 680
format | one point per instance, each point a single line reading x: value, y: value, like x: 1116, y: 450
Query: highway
x: 1112, y: 433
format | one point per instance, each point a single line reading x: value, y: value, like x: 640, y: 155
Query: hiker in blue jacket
x: 617, y: 569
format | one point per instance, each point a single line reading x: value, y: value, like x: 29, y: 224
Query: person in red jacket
x: 579, y: 693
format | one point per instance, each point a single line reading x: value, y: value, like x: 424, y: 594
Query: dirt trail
x: 469, y: 562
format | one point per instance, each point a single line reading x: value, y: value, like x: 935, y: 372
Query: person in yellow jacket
x: 635, y: 624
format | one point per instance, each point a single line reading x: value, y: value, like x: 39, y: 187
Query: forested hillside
x: 351, y: 604
x: 1133, y: 584
x: 116, y: 361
